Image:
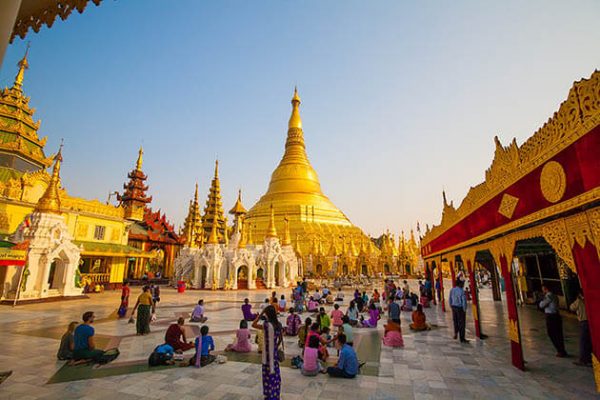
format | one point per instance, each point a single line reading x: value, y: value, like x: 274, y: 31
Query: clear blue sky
x: 400, y: 99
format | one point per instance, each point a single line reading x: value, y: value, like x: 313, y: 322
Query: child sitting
x: 313, y: 305
x: 293, y: 322
x: 204, y: 345
x: 336, y: 316
x: 310, y: 365
x: 282, y: 303
x: 242, y: 343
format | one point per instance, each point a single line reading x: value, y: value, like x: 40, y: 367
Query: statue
x: 26, y: 274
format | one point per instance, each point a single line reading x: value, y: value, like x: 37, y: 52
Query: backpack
x: 157, y: 359
x: 109, y: 355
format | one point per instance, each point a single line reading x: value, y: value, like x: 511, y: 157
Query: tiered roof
x: 192, y: 226
x: 213, y: 210
x: 154, y: 228
x: 135, y: 189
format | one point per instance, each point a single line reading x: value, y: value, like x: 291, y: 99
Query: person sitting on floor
x: 373, y: 317
x: 242, y: 343
x: 339, y: 296
x: 282, y: 303
x: 84, y: 347
x: 310, y: 365
x: 329, y: 298
x: 393, y: 334
x: 317, y: 297
x: 336, y: 316
x: 313, y: 305
x: 198, y: 313
x: 293, y: 322
x: 204, y: 345
x: 323, y: 319
x: 407, y: 304
x: 303, y: 332
x: 314, y: 331
x: 419, y: 320
x: 247, y: 311
x: 162, y: 355
x: 347, y: 365
x: 352, y: 313
x: 175, y: 337
x: 346, y: 329
x: 65, y: 350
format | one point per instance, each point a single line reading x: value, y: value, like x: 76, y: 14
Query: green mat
x: 82, y: 372
x: 368, y: 351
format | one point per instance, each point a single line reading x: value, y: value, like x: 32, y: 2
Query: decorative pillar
x: 502, y: 256
x: 474, y: 298
x: 577, y: 241
x: 452, y: 272
x: 442, y: 296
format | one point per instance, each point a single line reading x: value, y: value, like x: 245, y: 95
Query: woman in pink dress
x: 242, y: 343
x: 336, y: 316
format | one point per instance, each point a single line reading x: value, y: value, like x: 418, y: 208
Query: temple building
x: 219, y: 261
x: 325, y: 239
x: 69, y: 237
x: 534, y: 221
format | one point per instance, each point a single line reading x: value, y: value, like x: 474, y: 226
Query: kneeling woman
x: 393, y: 334
x: 419, y: 320
x: 242, y: 343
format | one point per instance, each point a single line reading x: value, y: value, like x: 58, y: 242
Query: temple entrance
x: 345, y: 269
x: 386, y: 269
x: 319, y: 269
x: 242, y: 277
x: 364, y: 270
x: 203, y: 274
x: 56, y: 274
x: 260, y: 273
x: 277, y: 279
x: 407, y: 269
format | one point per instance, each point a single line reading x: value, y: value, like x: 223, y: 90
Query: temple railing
x: 95, y: 278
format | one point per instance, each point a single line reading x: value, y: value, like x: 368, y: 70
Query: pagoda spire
x: 192, y: 227
x: 50, y: 200
x: 242, y: 243
x: 213, y: 238
x: 23, y: 65
x: 140, y: 160
x: 213, y: 210
x: 295, y: 120
x: 271, y: 230
x: 238, y: 211
x: 134, y: 198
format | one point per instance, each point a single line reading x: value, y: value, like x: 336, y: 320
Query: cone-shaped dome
x: 295, y: 192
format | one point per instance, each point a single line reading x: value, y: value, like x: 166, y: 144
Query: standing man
x: 585, y: 341
x: 553, y: 321
x: 458, y: 302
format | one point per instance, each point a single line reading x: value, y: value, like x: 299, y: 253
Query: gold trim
x: 513, y: 330
x: 508, y: 205
x: 553, y: 181
x: 596, y: 367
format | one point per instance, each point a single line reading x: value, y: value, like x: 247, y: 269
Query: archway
x: 407, y: 269
x: 260, y: 273
x: 56, y: 274
x: 203, y: 274
x: 365, y: 270
x: 242, y: 277
x: 345, y: 269
x: 319, y: 269
x: 386, y: 269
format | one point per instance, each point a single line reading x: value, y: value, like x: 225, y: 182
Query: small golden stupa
x: 299, y: 205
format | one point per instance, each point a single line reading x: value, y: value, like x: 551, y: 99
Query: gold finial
x: 287, y: 240
x: 213, y: 238
x: 295, y: 120
x: 196, y: 194
x: 23, y: 65
x: 140, y: 159
x: 271, y: 231
x: 217, y: 168
x: 242, y: 243
x: 50, y: 200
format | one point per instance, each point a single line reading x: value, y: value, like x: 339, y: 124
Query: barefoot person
x: 198, y: 313
x: 67, y: 343
x: 145, y: 308
x: 242, y: 339
x: 271, y: 376
x: 175, y: 337
x: 84, y: 347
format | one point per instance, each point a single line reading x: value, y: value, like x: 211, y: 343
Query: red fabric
x: 588, y: 268
x: 516, y: 349
x: 442, y: 297
x: 474, y: 299
x: 173, y: 338
x: 581, y: 164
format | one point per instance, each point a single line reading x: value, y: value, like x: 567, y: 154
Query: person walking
x: 458, y: 302
x: 273, y: 338
x: 585, y: 340
x: 553, y: 321
x: 145, y: 308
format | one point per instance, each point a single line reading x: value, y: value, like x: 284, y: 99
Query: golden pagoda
x: 213, y: 210
x: 192, y: 225
x: 295, y: 194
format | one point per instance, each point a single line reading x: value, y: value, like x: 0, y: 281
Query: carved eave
x: 576, y: 116
x: 36, y: 13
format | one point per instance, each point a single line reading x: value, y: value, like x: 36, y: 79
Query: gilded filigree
x: 578, y: 229
x: 556, y: 235
x: 553, y: 181
x: 513, y: 330
x: 508, y: 205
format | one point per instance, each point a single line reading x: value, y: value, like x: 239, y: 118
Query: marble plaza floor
x: 431, y: 365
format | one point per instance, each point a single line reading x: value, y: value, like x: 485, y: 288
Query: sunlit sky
x: 399, y: 99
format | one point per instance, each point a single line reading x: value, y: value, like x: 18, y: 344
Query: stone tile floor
x: 431, y: 366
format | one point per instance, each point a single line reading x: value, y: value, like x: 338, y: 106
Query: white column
x: 9, y: 9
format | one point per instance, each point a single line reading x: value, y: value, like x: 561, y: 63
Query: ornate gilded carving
x: 508, y: 205
x: 45, y: 13
x: 513, y: 330
x: 594, y: 221
x: 553, y: 181
x: 556, y: 235
x: 596, y: 366
x: 576, y: 116
x: 578, y: 229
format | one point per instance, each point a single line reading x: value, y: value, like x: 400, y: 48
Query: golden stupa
x: 296, y: 197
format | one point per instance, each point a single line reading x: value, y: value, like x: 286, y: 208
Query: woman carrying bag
x: 273, y: 352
